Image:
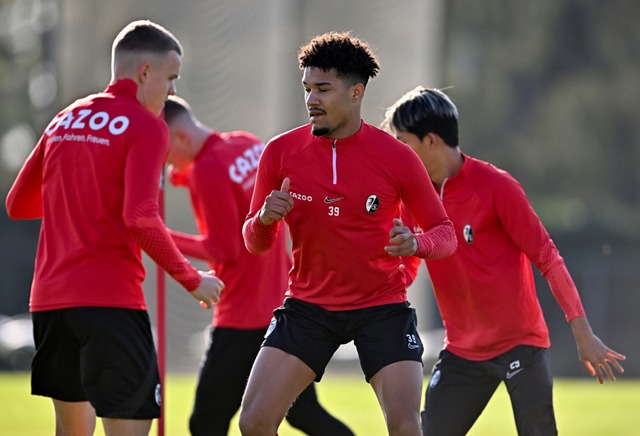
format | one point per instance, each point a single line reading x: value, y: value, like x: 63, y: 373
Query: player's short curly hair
x: 351, y: 57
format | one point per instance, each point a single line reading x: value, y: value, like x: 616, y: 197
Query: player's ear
x: 142, y: 72
x: 179, y: 136
x: 357, y: 92
x: 430, y: 139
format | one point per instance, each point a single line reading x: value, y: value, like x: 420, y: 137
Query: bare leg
x: 126, y: 427
x: 74, y: 418
x: 276, y: 380
x: 398, y: 387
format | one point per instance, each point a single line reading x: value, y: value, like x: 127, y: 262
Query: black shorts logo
x: 158, y: 394
x: 272, y: 327
x: 435, y: 378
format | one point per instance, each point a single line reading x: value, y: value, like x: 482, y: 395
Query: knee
x: 256, y: 424
x: 407, y: 424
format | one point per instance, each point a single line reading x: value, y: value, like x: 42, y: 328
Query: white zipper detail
x: 442, y: 189
x: 333, y: 162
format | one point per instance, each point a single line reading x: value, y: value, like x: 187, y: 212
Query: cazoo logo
x: 245, y: 165
x: 94, y: 121
x: 301, y: 196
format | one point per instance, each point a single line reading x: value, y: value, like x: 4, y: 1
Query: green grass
x: 583, y: 408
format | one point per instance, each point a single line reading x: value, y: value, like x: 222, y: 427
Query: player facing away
x: 495, y: 328
x: 338, y: 182
x: 219, y: 170
x: 93, y: 178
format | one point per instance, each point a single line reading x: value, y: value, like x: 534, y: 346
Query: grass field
x: 583, y: 408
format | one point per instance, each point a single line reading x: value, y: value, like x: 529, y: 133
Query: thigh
x: 398, y: 387
x: 457, y: 393
x: 387, y: 334
x: 118, y: 363
x: 530, y: 384
x: 74, y: 418
x: 55, y: 369
x: 276, y: 380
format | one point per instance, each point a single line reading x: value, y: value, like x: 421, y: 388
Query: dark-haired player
x: 219, y: 170
x: 495, y: 328
x: 339, y: 182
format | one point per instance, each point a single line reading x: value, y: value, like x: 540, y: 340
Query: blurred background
x: 549, y: 90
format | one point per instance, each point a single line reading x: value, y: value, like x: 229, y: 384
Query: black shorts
x: 459, y: 390
x: 382, y: 334
x: 102, y: 355
x: 223, y: 377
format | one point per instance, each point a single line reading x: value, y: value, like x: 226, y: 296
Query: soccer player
x: 495, y: 329
x: 93, y: 178
x: 219, y: 170
x: 339, y: 182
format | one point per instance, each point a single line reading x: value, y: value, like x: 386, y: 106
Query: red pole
x: 161, y: 319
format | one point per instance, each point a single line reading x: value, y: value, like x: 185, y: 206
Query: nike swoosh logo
x: 332, y: 200
x: 512, y: 374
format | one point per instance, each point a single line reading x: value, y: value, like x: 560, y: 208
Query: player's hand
x: 277, y: 204
x: 597, y: 358
x: 208, y: 293
x: 402, y: 242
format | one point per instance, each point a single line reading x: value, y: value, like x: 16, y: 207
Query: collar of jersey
x: 124, y: 88
x: 353, y: 139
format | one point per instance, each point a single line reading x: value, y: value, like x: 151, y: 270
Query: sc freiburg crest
x: 467, y: 232
x: 373, y: 203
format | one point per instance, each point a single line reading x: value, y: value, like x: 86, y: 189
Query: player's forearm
x: 151, y: 235
x: 259, y: 237
x: 191, y: 245
x: 564, y: 290
x: 581, y: 328
x: 437, y: 242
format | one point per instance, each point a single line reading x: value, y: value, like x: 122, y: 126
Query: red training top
x: 346, y: 193
x: 485, y: 291
x: 93, y: 178
x: 220, y: 182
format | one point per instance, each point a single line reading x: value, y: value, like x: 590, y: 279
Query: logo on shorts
x: 514, y: 368
x: 435, y: 378
x: 272, y: 327
x: 412, y: 342
x: 373, y: 203
x: 158, y: 394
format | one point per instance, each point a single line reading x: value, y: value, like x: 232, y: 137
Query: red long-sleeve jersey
x: 485, y: 291
x: 346, y: 193
x: 220, y: 182
x: 94, y: 178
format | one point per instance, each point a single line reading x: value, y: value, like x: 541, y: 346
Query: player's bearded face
x: 320, y: 130
x: 325, y: 98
